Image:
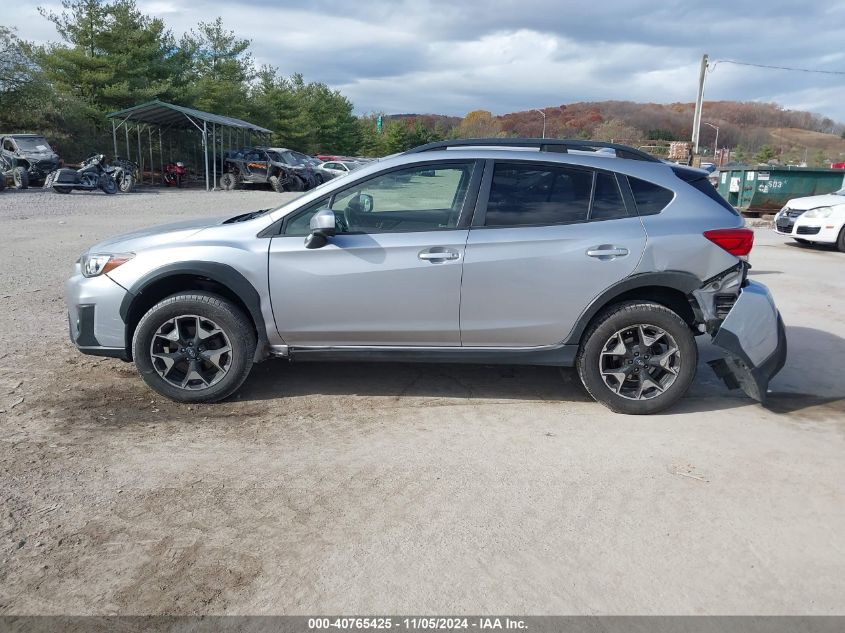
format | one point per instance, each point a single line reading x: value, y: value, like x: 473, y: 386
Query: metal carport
x: 214, y: 130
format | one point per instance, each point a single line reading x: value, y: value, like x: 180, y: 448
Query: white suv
x: 814, y: 219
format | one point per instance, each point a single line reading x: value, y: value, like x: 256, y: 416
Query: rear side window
x: 525, y: 195
x: 650, y: 198
x: 607, y: 199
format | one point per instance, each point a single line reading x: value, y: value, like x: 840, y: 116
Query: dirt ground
x: 404, y: 489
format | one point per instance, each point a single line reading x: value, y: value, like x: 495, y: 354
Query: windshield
x: 33, y: 143
x: 293, y: 159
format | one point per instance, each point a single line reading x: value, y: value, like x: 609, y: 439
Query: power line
x: 800, y: 70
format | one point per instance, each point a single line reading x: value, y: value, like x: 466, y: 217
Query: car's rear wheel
x: 840, y: 241
x: 228, y: 181
x: 638, y: 358
x: 194, y: 347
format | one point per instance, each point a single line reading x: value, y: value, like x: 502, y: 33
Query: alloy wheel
x: 640, y: 362
x: 191, y: 352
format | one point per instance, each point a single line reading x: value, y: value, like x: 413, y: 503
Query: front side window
x: 526, y: 195
x: 422, y: 198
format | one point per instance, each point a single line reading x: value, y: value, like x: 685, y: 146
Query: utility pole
x: 696, y: 121
x: 544, y: 120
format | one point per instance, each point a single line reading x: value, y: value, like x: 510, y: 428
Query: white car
x: 340, y: 167
x: 814, y: 220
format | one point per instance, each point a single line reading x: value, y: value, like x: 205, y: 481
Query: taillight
x: 736, y: 241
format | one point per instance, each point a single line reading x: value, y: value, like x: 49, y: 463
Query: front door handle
x: 607, y: 251
x: 437, y: 254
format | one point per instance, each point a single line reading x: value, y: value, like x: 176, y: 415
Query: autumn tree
x: 479, y: 124
x: 616, y: 130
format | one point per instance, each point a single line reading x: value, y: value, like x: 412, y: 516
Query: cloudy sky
x: 453, y: 56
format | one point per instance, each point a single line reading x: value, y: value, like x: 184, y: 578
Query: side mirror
x: 322, y: 227
x: 365, y: 201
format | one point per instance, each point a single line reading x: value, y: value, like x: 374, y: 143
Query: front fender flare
x: 222, y: 274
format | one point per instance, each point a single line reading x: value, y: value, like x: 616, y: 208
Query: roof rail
x: 562, y: 146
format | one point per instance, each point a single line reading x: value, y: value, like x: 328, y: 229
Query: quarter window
x: 650, y: 198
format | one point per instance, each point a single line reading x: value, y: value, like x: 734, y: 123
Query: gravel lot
x: 404, y: 489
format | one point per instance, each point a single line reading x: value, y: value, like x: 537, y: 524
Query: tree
x: 25, y: 96
x: 765, y: 154
x: 616, y: 130
x: 740, y: 154
x: 819, y: 159
x: 396, y: 137
x: 113, y: 56
x: 660, y: 134
x: 222, y: 68
x: 479, y: 124
x: 310, y: 117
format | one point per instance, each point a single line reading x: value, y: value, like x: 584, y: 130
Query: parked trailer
x: 755, y: 190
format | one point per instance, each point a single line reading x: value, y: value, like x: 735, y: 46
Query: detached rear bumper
x: 754, y: 337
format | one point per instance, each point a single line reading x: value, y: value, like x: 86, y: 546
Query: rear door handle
x: 434, y: 256
x: 607, y: 251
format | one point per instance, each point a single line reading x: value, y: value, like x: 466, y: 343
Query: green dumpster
x: 755, y: 190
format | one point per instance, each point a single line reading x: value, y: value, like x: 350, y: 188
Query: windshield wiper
x: 246, y: 216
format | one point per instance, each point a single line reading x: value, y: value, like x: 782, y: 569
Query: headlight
x: 94, y: 264
x: 819, y: 212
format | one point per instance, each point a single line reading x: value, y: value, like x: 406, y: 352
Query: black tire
x: 318, y: 178
x: 59, y: 189
x: 107, y: 184
x: 296, y: 184
x: 21, y: 177
x: 233, y: 323
x: 2, y: 180
x: 618, y: 318
x: 840, y: 241
x: 228, y: 181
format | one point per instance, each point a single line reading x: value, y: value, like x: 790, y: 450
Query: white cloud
x: 451, y: 57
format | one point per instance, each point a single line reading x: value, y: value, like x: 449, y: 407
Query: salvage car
x: 27, y: 159
x: 814, y: 219
x: 511, y: 251
x: 253, y: 165
x: 300, y: 163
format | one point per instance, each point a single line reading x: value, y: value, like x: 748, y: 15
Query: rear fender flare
x: 682, y: 281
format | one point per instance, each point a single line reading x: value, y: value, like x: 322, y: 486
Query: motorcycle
x: 124, y: 172
x: 174, y: 174
x: 90, y: 177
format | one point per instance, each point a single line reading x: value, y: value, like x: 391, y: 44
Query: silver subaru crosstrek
x: 516, y: 251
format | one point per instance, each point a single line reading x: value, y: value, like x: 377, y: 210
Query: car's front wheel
x: 637, y: 358
x: 20, y: 176
x: 194, y: 347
